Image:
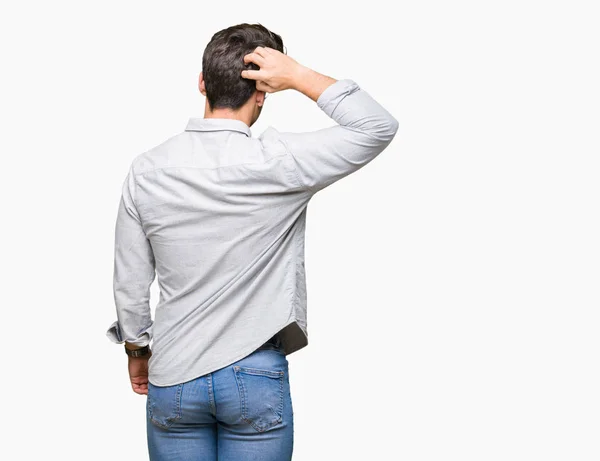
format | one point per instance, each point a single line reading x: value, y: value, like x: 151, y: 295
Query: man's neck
x: 229, y: 114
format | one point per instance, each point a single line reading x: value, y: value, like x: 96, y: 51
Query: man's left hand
x: 138, y: 373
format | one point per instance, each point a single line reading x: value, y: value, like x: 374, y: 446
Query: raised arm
x: 365, y: 128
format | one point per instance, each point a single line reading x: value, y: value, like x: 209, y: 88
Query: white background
x: 452, y: 283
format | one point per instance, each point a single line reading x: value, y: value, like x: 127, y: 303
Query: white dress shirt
x: 219, y: 217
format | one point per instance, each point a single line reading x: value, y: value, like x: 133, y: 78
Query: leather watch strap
x: 142, y: 351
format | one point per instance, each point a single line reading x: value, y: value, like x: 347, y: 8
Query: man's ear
x: 201, y: 84
x: 260, y: 98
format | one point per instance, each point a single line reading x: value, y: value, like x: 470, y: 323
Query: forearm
x: 356, y: 110
x: 364, y: 129
x: 310, y: 82
x: 369, y: 123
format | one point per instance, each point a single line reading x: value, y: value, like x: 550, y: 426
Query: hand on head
x: 277, y: 70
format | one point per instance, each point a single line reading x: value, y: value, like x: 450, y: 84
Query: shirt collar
x: 218, y: 124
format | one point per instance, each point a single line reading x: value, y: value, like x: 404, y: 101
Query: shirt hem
x: 218, y: 365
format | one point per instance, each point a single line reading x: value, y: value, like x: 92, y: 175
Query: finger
x: 261, y: 50
x: 255, y: 58
x: 253, y: 74
x: 140, y: 389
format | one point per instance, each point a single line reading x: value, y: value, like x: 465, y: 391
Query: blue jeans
x: 242, y: 412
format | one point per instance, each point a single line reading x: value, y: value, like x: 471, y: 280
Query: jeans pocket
x: 261, y: 395
x: 163, y: 404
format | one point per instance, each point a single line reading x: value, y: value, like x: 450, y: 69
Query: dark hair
x: 223, y: 62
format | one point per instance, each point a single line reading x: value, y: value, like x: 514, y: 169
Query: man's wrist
x: 299, y: 77
x: 141, y: 352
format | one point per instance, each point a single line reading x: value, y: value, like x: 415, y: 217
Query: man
x: 219, y: 216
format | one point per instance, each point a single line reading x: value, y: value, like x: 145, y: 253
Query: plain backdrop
x: 467, y: 254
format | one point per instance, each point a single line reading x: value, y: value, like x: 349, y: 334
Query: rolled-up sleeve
x: 365, y: 128
x: 134, y: 272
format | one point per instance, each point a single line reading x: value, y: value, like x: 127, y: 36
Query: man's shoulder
x: 272, y: 142
x: 176, y: 149
x: 161, y: 155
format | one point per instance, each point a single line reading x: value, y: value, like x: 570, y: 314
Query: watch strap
x: 142, y: 351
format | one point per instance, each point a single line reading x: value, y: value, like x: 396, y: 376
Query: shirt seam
x: 289, y: 152
x: 133, y: 198
x: 206, y: 168
x: 138, y: 215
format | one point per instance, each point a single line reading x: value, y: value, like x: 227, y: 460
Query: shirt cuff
x: 334, y: 93
x: 115, y: 334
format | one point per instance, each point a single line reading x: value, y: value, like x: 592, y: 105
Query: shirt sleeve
x: 134, y: 272
x: 364, y: 130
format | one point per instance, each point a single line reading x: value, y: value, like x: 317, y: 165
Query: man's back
x: 221, y: 217
x: 225, y: 218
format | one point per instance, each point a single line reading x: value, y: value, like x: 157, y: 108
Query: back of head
x: 223, y: 62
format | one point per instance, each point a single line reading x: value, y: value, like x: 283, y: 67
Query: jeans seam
x: 211, y: 396
x: 178, y: 401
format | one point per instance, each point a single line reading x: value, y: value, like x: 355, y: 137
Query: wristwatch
x: 142, y: 351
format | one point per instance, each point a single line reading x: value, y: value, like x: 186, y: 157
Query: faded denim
x: 242, y: 412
